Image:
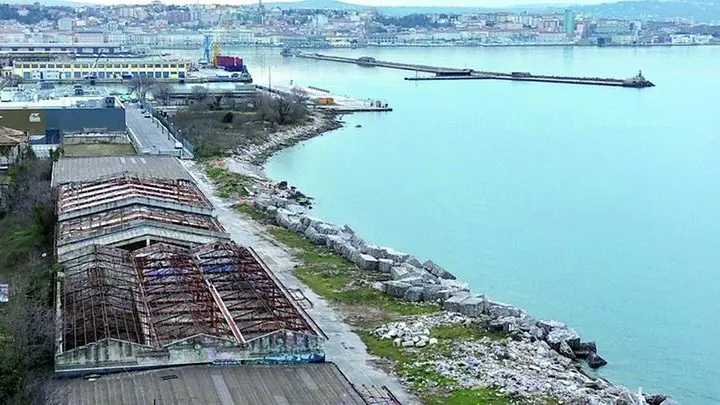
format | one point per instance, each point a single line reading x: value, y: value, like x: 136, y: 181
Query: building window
x: 166, y: 74
x: 166, y: 66
x: 173, y: 73
x: 174, y: 65
x: 77, y: 75
x: 86, y: 66
x: 51, y: 66
x: 34, y: 65
x: 31, y: 49
x: 68, y: 75
x: 181, y: 75
x: 14, y: 49
x: 126, y: 66
x: 101, y: 75
x: 47, y: 49
x: 26, y: 66
x: 158, y: 75
x: 157, y: 65
x: 63, y: 49
x: 142, y: 74
x: 67, y: 66
x: 26, y: 75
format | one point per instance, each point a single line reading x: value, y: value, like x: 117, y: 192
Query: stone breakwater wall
x: 416, y: 281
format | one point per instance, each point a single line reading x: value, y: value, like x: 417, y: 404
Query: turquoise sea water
x: 591, y: 205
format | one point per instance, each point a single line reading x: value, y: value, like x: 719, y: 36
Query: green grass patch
x: 335, y: 278
x: 462, y: 332
x: 228, y: 184
x: 99, y: 149
x: 341, y: 285
x: 310, y: 253
x: 254, y: 213
x: 471, y: 396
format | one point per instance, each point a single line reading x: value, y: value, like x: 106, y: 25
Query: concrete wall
x: 74, y: 139
x: 81, y: 119
x: 52, y: 122
x: 109, y: 354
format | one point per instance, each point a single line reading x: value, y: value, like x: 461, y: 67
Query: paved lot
x: 148, y: 132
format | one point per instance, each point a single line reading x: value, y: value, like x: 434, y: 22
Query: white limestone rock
x: 385, y: 265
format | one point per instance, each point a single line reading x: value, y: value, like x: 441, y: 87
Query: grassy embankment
x: 340, y: 281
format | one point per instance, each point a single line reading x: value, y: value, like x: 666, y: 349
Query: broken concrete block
x: 413, y: 294
x: 367, y: 262
x: 438, y: 271
x: 396, y: 288
x: 452, y: 304
x: 385, y: 265
x: 472, y: 306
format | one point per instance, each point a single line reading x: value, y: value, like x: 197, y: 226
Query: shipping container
x: 224, y: 61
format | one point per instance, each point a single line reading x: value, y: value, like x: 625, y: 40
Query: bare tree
x: 161, y: 91
x: 199, y: 93
x: 299, y: 95
x: 141, y: 86
x: 281, y: 110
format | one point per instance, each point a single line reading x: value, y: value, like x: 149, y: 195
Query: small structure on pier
x: 638, y: 81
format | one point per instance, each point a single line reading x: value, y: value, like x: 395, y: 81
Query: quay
x: 443, y: 73
x: 322, y: 99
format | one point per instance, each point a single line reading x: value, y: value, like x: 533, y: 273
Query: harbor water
x: 596, y: 206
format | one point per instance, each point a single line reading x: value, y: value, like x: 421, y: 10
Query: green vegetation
x: 463, y: 332
x: 229, y: 184
x: 100, y: 149
x: 26, y: 321
x: 218, y: 124
x: 339, y: 280
x: 254, y: 213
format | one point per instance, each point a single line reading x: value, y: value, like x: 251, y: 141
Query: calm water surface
x: 595, y: 206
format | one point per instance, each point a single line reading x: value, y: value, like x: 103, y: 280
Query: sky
x: 415, y: 3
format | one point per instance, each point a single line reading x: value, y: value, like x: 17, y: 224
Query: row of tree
x: 27, y: 327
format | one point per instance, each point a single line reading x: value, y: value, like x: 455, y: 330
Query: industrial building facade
x: 52, y: 120
x: 105, y: 69
x: 151, y: 279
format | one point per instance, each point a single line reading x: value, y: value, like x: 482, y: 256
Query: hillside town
x: 184, y: 27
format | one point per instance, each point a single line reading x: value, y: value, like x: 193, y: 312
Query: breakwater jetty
x: 444, y: 73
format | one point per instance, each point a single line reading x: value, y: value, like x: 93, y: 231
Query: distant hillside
x: 699, y: 10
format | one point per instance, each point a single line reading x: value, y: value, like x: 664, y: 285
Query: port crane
x: 92, y: 75
x: 220, y: 36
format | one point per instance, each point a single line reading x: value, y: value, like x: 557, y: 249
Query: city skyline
x: 371, y: 3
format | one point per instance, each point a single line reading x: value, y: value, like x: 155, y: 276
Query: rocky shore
x: 319, y: 122
x: 537, y: 358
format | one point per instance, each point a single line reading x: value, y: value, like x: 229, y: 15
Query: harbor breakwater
x: 539, y: 359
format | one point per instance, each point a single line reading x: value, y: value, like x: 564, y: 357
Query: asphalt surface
x: 149, y: 133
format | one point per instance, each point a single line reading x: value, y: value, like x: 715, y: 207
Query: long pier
x: 443, y: 73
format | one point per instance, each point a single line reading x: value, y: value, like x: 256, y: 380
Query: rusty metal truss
x: 102, y: 298
x: 106, y: 221
x: 78, y: 196
x: 163, y: 293
x: 257, y: 301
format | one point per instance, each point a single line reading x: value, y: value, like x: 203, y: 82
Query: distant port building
x: 76, y: 48
x: 104, y: 69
